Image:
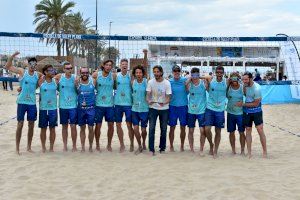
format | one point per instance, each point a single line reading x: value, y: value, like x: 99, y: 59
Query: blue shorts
x: 214, y: 118
x: 233, y: 121
x: 68, y: 116
x: 178, y: 112
x: 29, y: 109
x: 192, y: 120
x: 119, y: 110
x: 107, y: 112
x: 47, y: 118
x: 138, y: 117
x: 86, y: 116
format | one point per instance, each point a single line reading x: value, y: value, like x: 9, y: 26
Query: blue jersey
x: 67, y: 92
x: 123, y: 95
x: 234, y: 96
x: 252, y: 93
x: 105, y: 86
x: 86, y: 94
x: 217, y: 95
x: 48, y: 98
x: 139, y: 96
x: 28, y: 84
x: 179, y: 93
x: 197, y: 98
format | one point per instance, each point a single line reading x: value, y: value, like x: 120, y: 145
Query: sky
x: 230, y: 18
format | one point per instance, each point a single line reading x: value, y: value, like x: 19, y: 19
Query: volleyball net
x: 273, y: 57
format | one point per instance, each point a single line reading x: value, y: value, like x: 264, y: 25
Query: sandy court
x: 176, y: 175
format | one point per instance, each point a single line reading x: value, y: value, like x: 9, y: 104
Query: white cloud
x: 206, y: 18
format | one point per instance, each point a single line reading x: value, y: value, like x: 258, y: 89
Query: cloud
x: 205, y: 18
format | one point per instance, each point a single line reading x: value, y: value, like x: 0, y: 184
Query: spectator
x: 284, y: 78
x: 5, y: 74
x: 10, y: 81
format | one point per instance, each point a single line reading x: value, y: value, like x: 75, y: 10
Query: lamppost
x: 96, y: 50
x: 109, y: 39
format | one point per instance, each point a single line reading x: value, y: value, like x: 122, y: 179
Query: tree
x: 50, y: 17
x: 110, y: 53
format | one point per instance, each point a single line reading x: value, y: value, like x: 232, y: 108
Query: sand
x: 179, y: 175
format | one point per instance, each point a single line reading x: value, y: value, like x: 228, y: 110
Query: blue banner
x: 149, y: 38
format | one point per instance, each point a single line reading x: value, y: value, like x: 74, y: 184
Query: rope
x: 5, y: 122
x: 283, y: 129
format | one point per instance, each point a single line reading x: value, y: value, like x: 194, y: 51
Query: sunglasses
x: 69, y: 68
x: 195, y: 75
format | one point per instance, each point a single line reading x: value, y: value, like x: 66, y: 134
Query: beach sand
x: 179, y: 175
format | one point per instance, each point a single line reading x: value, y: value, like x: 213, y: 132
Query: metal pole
x: 291, y: 41
x: 109, y: 39
x: 96, y: 48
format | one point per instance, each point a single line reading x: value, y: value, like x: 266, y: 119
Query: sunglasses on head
x: 234, y: 78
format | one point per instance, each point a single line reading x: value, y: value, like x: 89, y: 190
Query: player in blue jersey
x: 86, y: 106
x: 123, y: 103
x: 48, y: 106
x: 252, y: 112
x: 105, y: 103
x: 196, y: 107
x: 234, y: 113
x: 67, y: 104
x: 214, y: 114
x: 140, y: 107
x: 178, y: 106
x: 27, y: 99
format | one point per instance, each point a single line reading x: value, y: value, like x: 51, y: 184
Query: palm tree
x: 79, y: 26
x: 50, y: 17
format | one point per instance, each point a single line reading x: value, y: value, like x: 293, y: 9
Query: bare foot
x: 211, y: 150
x: 192, y: 150
x: 91, y: 149
x: 18, y: 152
x: 122, y: 149
x: 201, y: 153
x: 265, y: 155
x: 74, y: 149
x: 249, y: 156
x: 30, y: 151
x: 44, y: 150
x: 82, y: 150
x: 65, y: 149
x: 138, y: 151
x: 131, y: 148
x: 182, y: 149
x: 243, y: 153
x: 215, y: 155
x: 109, y: 148
x: 98, y: 148
x: 172, y: 149
x: 51, y: 150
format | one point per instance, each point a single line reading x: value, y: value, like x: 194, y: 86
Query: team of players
x: 87, y: 99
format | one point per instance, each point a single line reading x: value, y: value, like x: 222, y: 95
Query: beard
x: 84, y: 77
